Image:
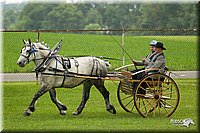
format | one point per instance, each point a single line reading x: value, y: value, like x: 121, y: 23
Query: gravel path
x: 13, y: 77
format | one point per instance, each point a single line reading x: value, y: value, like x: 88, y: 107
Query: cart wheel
x: 125, y: 96
x: 156, y: 95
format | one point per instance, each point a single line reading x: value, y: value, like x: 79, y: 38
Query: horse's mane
x: 41, y: 45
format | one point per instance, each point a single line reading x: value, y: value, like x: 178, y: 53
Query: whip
x: 119, y: 45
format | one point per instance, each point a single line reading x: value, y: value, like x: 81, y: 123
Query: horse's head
x: 30, y: 52
x: 36, y: 52
x: 26, y: 54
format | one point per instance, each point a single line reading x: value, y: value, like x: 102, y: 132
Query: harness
x: 76, y: 64
x: 64, y: 62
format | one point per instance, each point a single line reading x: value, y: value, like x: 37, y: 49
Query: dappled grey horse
x: 56, y: 71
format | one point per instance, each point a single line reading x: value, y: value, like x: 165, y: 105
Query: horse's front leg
x: 62, y: 108
x: 31, y: 107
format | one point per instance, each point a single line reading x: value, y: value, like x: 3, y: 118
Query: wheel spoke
x: 167, y: 103
x: 149, y: 102
x: 152, y: 107
x: 132, y: 107
x: 148, y: 85
x: 169, y: 93
x: 129, y: 102
x: 166, y: 88
x: 158, y: 80
x: 128, y: 91
x: 159, y: 108
x: 153, y: 83
x: 142, y: 88
x: 164, y: 107
x: 141, y: 95
x: 126, y: 97
x: 167, y: 98
x: 144, y: 106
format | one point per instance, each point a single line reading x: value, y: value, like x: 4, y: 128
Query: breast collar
x: 42, y: 66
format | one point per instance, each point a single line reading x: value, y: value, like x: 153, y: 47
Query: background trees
x: 84, y: 16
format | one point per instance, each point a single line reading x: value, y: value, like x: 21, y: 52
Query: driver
x: 145, y: 61
x: 156, y: 62
x: 148, y: 58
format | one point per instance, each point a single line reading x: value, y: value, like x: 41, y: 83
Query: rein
x: 43, y: 62
x: 40, y: 66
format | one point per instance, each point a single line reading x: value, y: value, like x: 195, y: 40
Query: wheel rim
x: 125, y: 96
x: 156, y: 95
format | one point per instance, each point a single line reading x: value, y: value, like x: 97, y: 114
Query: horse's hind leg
x: 100, y: 86
x: 62, y: 108
x: 86, y: 94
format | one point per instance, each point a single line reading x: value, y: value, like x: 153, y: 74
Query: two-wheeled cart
x: 154, y: 95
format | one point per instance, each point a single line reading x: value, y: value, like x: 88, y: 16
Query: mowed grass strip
x: 181, y: 53
x: 17, y: 96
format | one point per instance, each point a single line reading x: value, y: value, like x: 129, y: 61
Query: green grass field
x: 181, y: 53
x: 17, y: 96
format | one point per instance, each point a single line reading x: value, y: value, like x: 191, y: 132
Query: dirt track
x: 13, y: 77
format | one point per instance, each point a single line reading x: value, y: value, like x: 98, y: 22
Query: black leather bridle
x: 31, y: 51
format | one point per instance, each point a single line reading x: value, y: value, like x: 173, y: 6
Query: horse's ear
x: 24, y: 41
x: 57, y: 48
x: 29, y: 40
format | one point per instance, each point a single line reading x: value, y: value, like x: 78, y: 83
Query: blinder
x: 31, y: 51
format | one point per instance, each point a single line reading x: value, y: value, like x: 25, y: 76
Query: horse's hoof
x: 26, y: 113
x: 62, y: 112
x: 76, y: 113
x: 112, y: 109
